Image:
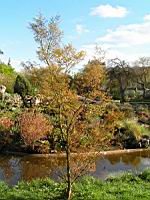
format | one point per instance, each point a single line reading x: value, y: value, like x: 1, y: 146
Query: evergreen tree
x: 22, y: 86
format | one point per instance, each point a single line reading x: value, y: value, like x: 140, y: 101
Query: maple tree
x: 90, y: 79
x: 78, y: 125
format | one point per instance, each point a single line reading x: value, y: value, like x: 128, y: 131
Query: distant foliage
x: 33, y: 127
x: 7, y: 76
x: 6, y: 69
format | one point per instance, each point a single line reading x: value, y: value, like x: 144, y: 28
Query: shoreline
x: 62, y: 155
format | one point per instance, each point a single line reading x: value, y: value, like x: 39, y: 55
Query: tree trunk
x: 68, y: 172
x: 122, y: 95
x: 144, y: 92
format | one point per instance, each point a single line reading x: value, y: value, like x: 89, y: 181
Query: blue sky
x: 121, y: 27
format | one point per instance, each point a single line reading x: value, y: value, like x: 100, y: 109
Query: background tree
x: 100, y: 54
x: 120, y: 71
x: 90, y: 79
x: 142, y: 74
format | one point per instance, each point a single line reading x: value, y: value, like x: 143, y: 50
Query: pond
x: 16, y: 168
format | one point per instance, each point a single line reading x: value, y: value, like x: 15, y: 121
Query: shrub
x: 133, y: 127
x: 42, y: 146
x: 12, y: 101
x: 6, y: 125
x: 128, y: 110
x: 142, y: 108
x: 33, y: 127
x: 129, y: 133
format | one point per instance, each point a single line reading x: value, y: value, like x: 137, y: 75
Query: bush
x: 33, y: 127
x: 22, y: 86
x: 6, y: 134
x: 130, y: 134
x: 5, y: 124
x: 11, y: 102
x: 133, y: 127
x: 127, y: 134
x: 42, y: 146
x: 128, y: 110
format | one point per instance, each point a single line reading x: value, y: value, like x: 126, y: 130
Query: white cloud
x: 81, y: 29
x: 147, y: 17
x: 109, y: 11
x: 127, y: 42
x: 127, y: 35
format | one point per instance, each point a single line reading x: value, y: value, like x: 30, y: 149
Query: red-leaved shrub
x: 33, y: 127
x: 6, y: 123
x: 5, y: 131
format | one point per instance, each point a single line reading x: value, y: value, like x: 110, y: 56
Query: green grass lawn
x: 126, y: 187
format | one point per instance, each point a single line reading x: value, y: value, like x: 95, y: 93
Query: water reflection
x: 17, y: 168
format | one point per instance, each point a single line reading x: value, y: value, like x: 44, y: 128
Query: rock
x: 2, y: 91
x: 144, y: 142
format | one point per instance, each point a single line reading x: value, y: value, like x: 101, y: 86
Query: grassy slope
x: 126, y: 187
